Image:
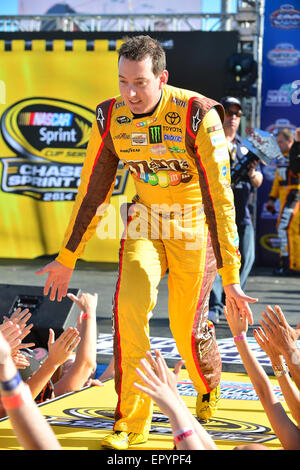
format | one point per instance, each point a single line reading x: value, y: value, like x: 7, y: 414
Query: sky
x: 10, y: 7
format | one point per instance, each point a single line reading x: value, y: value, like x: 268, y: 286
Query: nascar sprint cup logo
x: 49, y: 138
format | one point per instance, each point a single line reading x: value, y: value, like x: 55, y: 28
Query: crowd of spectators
x: 77, y: 369
x: 68, y: 365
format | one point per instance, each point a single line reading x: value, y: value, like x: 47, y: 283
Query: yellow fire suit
x: 286, y: 187
x: 183, y: 220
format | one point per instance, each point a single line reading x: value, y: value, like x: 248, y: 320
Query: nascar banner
x: 280, y: 105
x: 50, y: 90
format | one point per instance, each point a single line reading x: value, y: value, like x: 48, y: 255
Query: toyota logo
x: 172, y: 118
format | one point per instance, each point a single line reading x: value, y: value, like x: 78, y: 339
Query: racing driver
x: 182, y: 220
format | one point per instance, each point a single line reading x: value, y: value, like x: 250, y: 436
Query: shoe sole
x: 107, y: 445
x: 127, y: 444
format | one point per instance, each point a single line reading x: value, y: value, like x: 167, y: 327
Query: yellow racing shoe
x: 207, y: 404
x: 121, y: 440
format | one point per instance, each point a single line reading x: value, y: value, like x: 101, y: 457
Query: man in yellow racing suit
x: 183, y: 220
x: 286, y: 187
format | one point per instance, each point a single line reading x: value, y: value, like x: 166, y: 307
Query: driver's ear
x: 163, y: 78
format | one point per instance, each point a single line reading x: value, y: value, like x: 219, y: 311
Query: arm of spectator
x: 85, y: 359
x: 58, y: 353
x: 157, y: 388
x: 161, y: 387
x: 11, y: 333
x: 283, y: 337
x: 32, y: 430
x: 20, y: 318
x: 20, y: 360
x: 172, y: 378
x: 286, y: 431
x: 290, y: 392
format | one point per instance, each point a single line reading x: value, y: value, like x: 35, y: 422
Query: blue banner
x: 280, y: 106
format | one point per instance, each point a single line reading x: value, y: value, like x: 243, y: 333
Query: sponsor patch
x: 123, y: 120
x: 139, y: 138
x: 100, y: 117
x: 155, y: 135
x: 146, y: 122
x: 172, y: 129
x: 129, y: 150
x: 175, y: 149
x: 118, y: 105
x: 224, y: 170
x: 179, y: 102
x: 218, y: 139
x: 216, y: 128
x: 158, y: 149
x: 196, y: 121
x: 172, y: 118
x: 122, y: 135
x: 221, y: 154
x: 173, y: 138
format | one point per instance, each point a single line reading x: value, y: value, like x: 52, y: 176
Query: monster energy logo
x: 155, y: 135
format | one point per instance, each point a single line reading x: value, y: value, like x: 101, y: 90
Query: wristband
x: 8, y: 385
x: 85, y: 316
x: 183, y: 434
x: 239, y: 337
x: 10, y: 402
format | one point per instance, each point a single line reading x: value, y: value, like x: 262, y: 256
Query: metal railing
x: 130, y: 22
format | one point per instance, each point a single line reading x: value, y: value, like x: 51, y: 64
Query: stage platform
x: 81, y: 419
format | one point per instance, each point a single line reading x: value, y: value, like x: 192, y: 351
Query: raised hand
x: 281, y: 335
x: 238, y: 323
x: 234, y: 293
x: 61, y: 349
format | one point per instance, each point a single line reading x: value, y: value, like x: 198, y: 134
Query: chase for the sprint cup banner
x: 42, y: 131
x: 46, y: 120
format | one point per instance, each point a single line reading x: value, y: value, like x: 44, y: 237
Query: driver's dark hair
x: 137, y: 48
x: 286, y: 133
